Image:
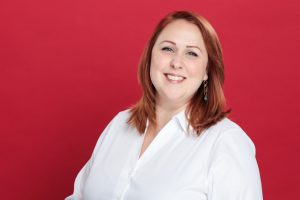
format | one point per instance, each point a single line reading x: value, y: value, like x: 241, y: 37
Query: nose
x: 176, y: 62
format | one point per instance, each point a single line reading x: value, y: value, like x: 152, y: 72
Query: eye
x: 167, y: 49
x: 192, y: 54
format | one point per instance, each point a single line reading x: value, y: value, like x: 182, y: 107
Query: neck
x: 169, y: 108
x: 165, y: 111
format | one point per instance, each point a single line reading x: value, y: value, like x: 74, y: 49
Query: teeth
x: 174, y: 78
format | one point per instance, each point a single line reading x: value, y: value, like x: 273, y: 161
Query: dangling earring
x: 205, y: 90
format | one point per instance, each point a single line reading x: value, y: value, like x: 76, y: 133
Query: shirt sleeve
x: 84, y: 172
x: 233, y: 172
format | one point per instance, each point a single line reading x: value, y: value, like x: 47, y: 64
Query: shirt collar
x: 181, y: 121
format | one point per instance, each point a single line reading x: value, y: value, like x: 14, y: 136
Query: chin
x: 174, y: 98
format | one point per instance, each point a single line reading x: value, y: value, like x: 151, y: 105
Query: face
x: 178, y: 63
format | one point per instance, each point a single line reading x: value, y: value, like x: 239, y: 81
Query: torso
x: 175, y: 165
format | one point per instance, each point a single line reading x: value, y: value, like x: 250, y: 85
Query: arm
x: 233, y: 170
x: 84, y: 172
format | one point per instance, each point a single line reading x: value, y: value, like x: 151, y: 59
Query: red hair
x: 202, y: 114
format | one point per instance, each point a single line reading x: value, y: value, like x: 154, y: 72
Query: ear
x: 205, y: 77
x: 206, y: 73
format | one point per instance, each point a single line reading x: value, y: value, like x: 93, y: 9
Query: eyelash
x: 193, y: 54
x: 190, y: 52
x: 166, y: 48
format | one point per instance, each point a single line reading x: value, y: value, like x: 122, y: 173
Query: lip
x: 174, y: 81
x: 174, y: 75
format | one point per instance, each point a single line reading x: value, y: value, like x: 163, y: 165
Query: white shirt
x: 218, y: 165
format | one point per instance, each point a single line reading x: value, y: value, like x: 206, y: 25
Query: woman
x: 176, y: 143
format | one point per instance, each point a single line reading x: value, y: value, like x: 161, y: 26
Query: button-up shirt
x: 219, y: 164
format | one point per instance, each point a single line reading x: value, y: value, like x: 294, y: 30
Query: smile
x: 174, y: 78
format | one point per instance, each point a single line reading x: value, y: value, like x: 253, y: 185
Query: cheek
x: 159, y: 61
x: 154, y: 70
x: 197, y: 71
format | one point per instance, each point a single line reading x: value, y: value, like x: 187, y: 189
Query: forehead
x: 182, y: 32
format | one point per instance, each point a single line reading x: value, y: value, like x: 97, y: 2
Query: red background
x: 67, y: 67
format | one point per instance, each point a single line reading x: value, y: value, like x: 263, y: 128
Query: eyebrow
x: 188, y: 46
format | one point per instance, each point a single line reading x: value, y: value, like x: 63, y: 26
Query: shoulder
x: 228, y: 133
x: 224, y: 124
x: 232, y: 167
x: 118, y: 124
x: 124, y: 113
x: 120, y: 120
x: 122, y: 116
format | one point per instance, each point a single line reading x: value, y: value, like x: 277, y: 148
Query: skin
x: 180, y: 50
x: 172, y: 54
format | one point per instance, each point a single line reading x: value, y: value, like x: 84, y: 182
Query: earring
x: 205, y: 90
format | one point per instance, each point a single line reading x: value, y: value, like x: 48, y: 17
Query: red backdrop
x: 67, y: 67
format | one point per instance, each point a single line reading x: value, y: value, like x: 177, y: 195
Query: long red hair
x: 202, y: 114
